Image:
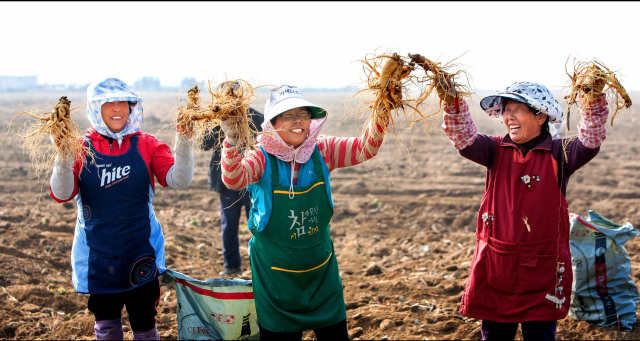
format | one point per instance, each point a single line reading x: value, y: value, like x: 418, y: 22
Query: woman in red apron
x: 296, y: 282
x: 521, y: 267
x: 118, y: 246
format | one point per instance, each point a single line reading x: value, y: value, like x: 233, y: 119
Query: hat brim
x: 491, y: 101
x: 292, y: 103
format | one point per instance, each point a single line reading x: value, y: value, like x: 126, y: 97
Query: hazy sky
x: 312, y: 44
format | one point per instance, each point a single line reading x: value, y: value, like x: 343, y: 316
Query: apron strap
x: 274, y: 170
x: 316, y: 163
x: 317, y: 166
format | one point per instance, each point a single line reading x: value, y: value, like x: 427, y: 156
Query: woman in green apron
x: 296, y: 282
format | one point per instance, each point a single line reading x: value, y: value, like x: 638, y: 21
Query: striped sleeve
x: 239, y: 172
x: 339, y: 152
x: 458, y: 126
x: 592, y: 126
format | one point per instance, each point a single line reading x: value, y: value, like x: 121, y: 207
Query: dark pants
x: 336, y: 331
x: 231, y: 203
x: 534, y: 330
x: 141, y: 303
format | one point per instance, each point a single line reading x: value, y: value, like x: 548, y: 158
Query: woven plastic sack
x: 215, y: 309
x: 603, y: 290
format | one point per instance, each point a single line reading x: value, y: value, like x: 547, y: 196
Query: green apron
x: 296, y: 283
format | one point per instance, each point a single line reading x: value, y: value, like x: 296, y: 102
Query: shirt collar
x: 544, y: 143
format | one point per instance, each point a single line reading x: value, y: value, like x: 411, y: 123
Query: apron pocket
x: 536, y: 272
x: 501, y: 269
x: 541, y: 247
x: 304, y: 288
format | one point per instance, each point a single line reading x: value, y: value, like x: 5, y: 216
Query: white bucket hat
x: 288, y: 97
x: 535, y: 95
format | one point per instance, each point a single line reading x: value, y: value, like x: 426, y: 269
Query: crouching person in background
x: 118, y: 246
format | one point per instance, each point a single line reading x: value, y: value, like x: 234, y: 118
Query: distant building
x: 17, y: 83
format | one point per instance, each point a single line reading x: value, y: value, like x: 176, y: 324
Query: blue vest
x: 261, y: 201
x: 118, y: 243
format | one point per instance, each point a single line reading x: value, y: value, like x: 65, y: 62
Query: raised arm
x: 591, y: 128
x: 591, y: 134
x: 63, y: 183
x: 463, y: 133
x: 458, y: 126
x: 339, y: 152
x: 180, y: 174
x: 238, y: 173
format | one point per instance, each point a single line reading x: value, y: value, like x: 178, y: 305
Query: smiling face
x: 293, y: 126
x: 115, y: 115
x: 522, y: 124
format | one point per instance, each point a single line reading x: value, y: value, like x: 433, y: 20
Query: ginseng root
x: 387, y: 77
x: 187, y: 118
x: 391, y: 85
x: 229, y: 99
x: 57, y: 127
x: 437, y: 76
x: 589, y: 81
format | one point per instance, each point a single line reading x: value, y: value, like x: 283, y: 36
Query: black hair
x: 545, y: 125
x: 131, y: 105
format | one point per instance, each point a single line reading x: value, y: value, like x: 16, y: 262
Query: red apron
x: 521, y: 268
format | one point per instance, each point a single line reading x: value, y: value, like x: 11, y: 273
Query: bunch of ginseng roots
x: 229, y: 101
x: 590, y: 80
x: 391, y: 85
x: 58, y: 128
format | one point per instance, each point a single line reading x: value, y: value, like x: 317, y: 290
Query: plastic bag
x: 215, y: 309
x: 603, y: 290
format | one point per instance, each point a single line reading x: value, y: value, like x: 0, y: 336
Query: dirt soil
x: 403, y: 229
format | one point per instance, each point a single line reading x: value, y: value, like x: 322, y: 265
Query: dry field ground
x: 412, y: 212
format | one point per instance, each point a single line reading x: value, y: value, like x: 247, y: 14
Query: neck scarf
x: 273, y: 143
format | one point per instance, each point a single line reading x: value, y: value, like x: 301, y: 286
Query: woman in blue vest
x: 118, y: 245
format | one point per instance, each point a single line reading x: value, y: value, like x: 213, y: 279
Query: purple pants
x: 534, y: 330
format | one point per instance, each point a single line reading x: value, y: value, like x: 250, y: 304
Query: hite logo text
x: 114, y: 176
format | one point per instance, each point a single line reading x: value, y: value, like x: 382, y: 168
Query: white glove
x: 231, y: 135
x: 62, y: 181
x: 180, y: 174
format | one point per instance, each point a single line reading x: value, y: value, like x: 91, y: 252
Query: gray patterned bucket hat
x: 535, y: 95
